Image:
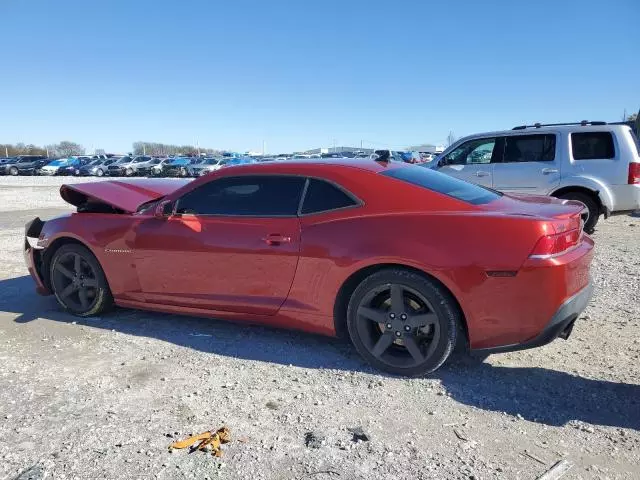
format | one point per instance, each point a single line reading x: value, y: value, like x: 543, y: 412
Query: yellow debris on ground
x: 205, y: 441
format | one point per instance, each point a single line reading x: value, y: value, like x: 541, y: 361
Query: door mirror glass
x: 164, y: 209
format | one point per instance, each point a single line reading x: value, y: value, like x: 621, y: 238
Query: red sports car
x: 405, y: 261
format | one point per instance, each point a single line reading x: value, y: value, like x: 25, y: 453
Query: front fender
x: 590, y: 183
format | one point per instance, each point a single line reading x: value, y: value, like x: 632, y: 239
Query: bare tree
x: 67, y: 148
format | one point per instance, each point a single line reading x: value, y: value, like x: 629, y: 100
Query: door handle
x: 547, y: 171
x: 276, y: 239
x: 482, y: 174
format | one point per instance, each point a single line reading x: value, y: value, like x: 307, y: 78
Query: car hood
x: 124, y: 195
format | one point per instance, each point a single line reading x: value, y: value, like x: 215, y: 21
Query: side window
x: 472, y: 152
x: 529, y: 148
x: 322, y: 196
x: 592, y: 145
x: 250, y: 195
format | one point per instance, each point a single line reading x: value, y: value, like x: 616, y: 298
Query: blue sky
x: 301, y: 74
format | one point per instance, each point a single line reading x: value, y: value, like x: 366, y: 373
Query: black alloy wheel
x: 402, y: 323
x: 78, y: 281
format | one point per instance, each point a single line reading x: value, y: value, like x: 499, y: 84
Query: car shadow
x: 545, y: 396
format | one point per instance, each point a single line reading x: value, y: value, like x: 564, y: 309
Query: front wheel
x: 99, y: 172
x: 402, y: 323
x: 78, y: 281
x: 13, y: 171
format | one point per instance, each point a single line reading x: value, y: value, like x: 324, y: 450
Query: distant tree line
x: 62, y: 149
x: 163, y: 149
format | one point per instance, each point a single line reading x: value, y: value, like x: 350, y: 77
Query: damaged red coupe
x: 406, y: 262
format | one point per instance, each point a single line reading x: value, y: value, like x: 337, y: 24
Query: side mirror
x: 164, y: 209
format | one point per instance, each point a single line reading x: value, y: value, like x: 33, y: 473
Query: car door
x: 471, y: 161
x: 232, y: 245
x: 528, y: 164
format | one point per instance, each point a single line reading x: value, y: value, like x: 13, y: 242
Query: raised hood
x: 124, y: 195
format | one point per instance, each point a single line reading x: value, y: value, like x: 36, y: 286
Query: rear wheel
x: 591, y: 204
x: 99, y: 172
x: 78, y: 281
x: 402, y: 322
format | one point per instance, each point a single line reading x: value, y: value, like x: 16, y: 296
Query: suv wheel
x: 13, y: 171
x: 590, y: 203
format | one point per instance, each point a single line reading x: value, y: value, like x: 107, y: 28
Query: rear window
x: 321, y: 196
x: 530, y: 148
x: 592, y: 145
x: 441, y: 183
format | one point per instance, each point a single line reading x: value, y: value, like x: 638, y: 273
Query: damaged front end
x: 34, y: 246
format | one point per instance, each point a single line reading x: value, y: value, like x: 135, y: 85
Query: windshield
x: 140, y: 160
x: 94, y: 162
x: 212, y: 161
x: 441, y: 183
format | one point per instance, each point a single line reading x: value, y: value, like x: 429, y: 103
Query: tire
x: 13, y: 171
x: 128, y: 172
x: 72, y: 267
x: 183, y: 172
x: 99, y: 172
x: 427, y: 318
x: 590, y: 203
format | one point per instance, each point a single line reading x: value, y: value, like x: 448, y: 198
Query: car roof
x: 319, y: 163
x: 547, y: 129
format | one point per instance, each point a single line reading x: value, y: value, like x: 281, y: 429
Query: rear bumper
x: 560, y: 324
x: 625, y: 198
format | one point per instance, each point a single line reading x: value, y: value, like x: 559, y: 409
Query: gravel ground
x: 104, y: 397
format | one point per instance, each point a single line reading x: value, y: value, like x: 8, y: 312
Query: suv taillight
x: 634, y: 173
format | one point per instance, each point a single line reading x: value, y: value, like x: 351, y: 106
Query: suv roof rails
x: 538, y: 125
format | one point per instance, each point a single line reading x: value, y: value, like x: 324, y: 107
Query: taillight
x: 634, y: 173
x: 567, y: 236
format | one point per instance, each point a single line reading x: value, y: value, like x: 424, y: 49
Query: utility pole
x: 624, y: 115
x: 6, y: 151
x: 263, y: 147
x: 144, y: 149
x: 334, y: 145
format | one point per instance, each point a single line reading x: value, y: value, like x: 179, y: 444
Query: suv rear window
x: 441, y: 183
x: 530, y: 148
x: 592, y: 145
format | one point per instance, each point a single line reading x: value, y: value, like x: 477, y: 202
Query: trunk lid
x: 123, y: 195
x: 538, y: 206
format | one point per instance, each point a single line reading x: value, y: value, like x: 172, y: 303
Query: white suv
x: 593, y: 162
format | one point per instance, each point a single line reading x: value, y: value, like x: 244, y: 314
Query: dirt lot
x: 104, y: 397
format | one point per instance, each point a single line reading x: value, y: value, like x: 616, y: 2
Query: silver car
x: 593, y: 162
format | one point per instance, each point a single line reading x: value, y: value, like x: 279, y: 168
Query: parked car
x: 97, y: 167
x: 63, y: 166
x: 23, y: 165
x: 116, y: 168
x: 178, y: 167
x: 595, y: 163
x: 158, y: 164
x: 206, y: 165
x: 230, y: 162
x: 281, y: 243
x: 139, y: 165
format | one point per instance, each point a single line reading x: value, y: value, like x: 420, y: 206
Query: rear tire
x: 78, y: 281
x: 590, y: 203
x: 402, y: 323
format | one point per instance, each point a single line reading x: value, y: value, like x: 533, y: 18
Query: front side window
x: 471, y: 152
x: 529, y: 148
x: 246, y: 195
x: 592, y: 145
x: 445, y: 184
x: 322, y: 196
